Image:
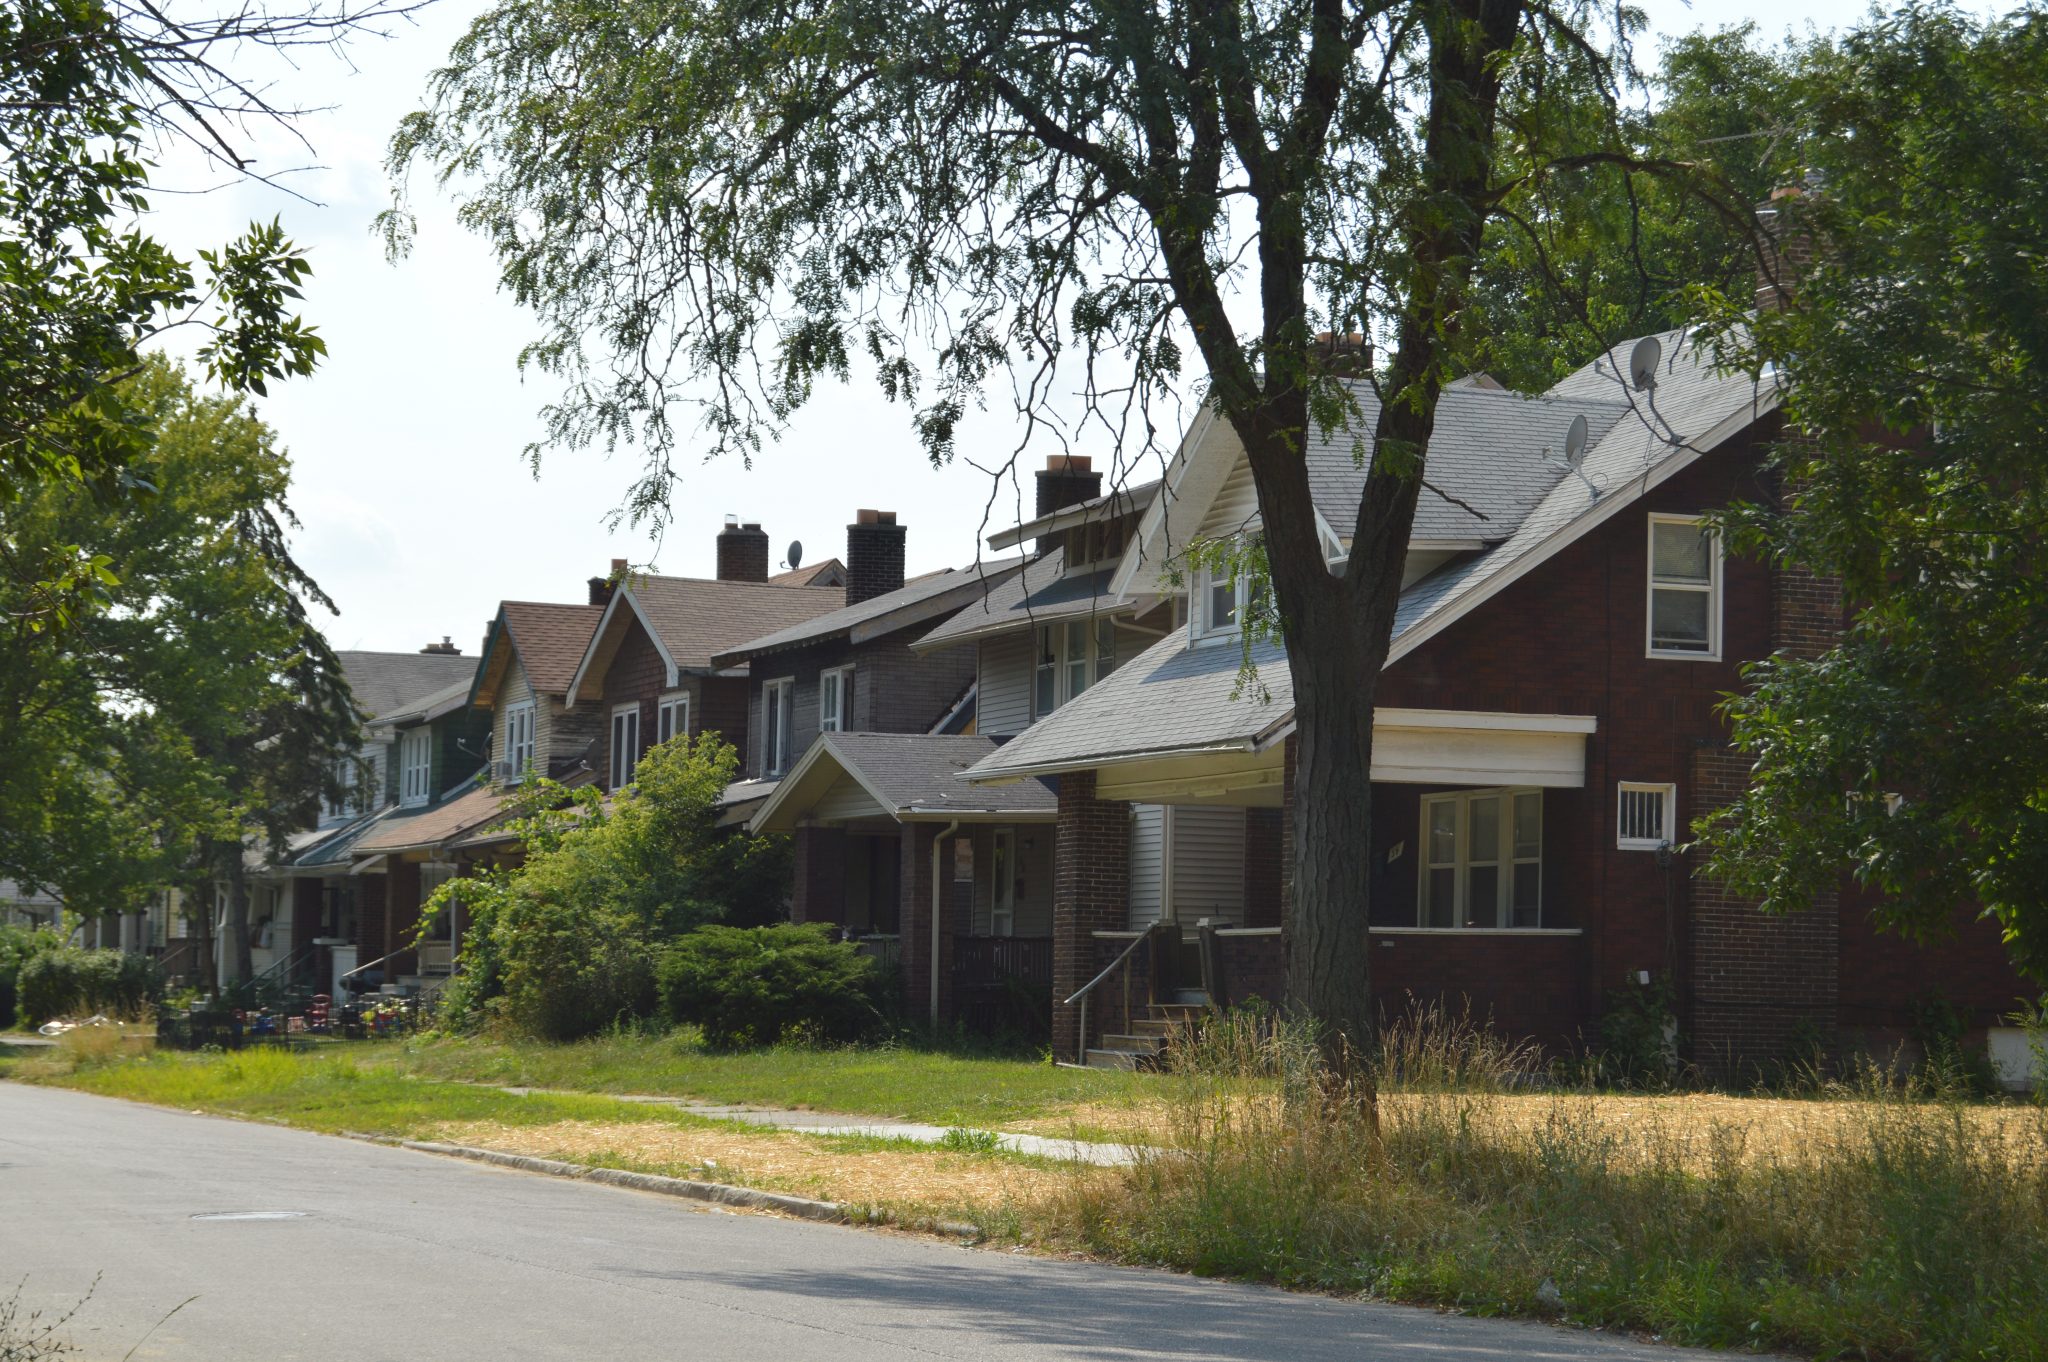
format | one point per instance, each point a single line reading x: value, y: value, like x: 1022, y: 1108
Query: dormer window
x: 778, y: 709
x: 415, y: 766
x: 343, y: 778
x: 518, y: 742
x: 1071, y: 657
x: 1099, y: 541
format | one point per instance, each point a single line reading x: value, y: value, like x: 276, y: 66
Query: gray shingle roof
x: 1041, y: 592
x: 920, y: 771
x: 1176, y: 698
x: 430, y: 706
x: 698, y: 619
x: 383, y: 682
x: 1489, y: 451
x: 916, y: 600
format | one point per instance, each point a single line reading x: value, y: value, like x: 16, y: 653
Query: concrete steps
x: 1144, y: 1046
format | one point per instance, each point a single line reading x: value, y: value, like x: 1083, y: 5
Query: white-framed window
x: 518, y: 740
x: 1071, y: 657
x: 1002, y: 884
x: 1684, y: 589
x: 778, y: 713
x: 1482, y: 859
x: 415, y: 766
x: 625, y: 744
x: 835, y: 699
x: 672, y: 716
x: 344, y: 794
x: 1645, y: 815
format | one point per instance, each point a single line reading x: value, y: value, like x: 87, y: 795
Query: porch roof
x: 909, y: 777
x: 430, y: 827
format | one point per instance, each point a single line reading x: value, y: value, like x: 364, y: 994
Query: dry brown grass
x: 902, y: 1181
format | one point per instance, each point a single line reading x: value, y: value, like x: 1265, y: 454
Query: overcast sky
x: 419, y: 514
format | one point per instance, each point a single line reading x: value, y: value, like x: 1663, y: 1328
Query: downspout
x: 938, y: 840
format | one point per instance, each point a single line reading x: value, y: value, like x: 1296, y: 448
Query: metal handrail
x: 1081, y: 996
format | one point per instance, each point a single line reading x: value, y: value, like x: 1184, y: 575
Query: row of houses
x: 1040, y: 776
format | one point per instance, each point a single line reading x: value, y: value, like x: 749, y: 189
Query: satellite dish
x: 1642, y: 363
x: 1575, y: 442
x: 796, y: 554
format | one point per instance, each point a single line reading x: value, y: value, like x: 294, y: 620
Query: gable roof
x: 429, y: 707
x: 692, y: 619
x: 909, y: 776
x: 550, y: 639
x: 1111, y: 505
x: 829, y: 572
x: 1040, y: 594
x: 1177, y: 698
x: 922, y: 598
x: 383, y: 682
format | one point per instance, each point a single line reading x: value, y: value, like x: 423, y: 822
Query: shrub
x: 69, y: 981
x: 760, y: 985
x: 17, y: 945
x: 569, y: 971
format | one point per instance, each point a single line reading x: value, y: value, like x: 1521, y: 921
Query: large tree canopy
x: 202, y: 708
x: 712, y: 206
x: 1913, y: 354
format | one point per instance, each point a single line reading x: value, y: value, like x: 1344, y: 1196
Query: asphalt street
x: 301, y: 1246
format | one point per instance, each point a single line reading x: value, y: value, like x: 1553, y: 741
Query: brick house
x: 1546, y: 730
x: 956, y: 889
x: 646, y: 671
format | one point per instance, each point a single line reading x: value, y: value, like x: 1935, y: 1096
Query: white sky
x: 419, y: 514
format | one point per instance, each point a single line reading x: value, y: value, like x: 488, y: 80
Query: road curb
x: 724, y: 1194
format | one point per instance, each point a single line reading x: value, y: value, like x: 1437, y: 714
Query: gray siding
x: 1148, y: 864
x: 1208, y: 864
x: 1002, y: 699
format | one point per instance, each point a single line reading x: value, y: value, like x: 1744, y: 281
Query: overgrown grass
x: 1895, y: 1228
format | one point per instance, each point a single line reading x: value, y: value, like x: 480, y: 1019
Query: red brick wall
x: 1262, y: 838
x: 1526, y: 987
x: 370, y: 924
x: 1091, y: 893
x: 819, y: 894
x: 1758, y: 981
x: 915, y: 939
x: 401, y: 916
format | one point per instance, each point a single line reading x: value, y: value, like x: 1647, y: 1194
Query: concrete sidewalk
x: 840, y: 1123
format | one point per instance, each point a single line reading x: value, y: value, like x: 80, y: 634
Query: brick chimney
x: 874, y: 555
x: 1066, y: 480
x: 1784, y: 248
x: 601, y: 588
x: 742, y: 552
x: 445, y: 648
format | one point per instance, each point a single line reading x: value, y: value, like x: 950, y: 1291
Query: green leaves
x: 1914, y: 757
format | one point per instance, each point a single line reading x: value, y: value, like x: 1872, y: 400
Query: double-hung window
x: 415, y: 766
x: 1482, y: 859
x: 343, y: 776
x: 1071, y: 657
x: 1222, y: 602
x: 518, y: 741
x: 835, y: 699
x: 778, y: 709
x: 672, y: 717
x: 625, y: 744
x: 1685, y: 588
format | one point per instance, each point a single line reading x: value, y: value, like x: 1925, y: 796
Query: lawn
x: 1858, y: 1221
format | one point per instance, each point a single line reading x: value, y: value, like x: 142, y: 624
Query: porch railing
x: 884, y: 949
x: 1119, y: 966
x: 980, y: 961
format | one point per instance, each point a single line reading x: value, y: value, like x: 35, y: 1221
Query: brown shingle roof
x: 550, y: 639
x: 830, y: 572
x: 697, y: 619
x: 432, y: 826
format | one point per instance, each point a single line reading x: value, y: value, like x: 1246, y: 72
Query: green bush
x: 17, y: 945
x: 760, y: 985
x: 71, y: 982
x: 570, y: 971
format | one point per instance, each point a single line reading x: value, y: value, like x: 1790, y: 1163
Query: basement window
x: 1644, y: 816
x: 1482, y: 859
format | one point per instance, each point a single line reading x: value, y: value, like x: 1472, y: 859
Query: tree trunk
x: 242, y: 966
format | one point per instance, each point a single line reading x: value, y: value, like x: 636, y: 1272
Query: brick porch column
x: 819, y: 894
x: 401, y: 918
x: 1091, y: 893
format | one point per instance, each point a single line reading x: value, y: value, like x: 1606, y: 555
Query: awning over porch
x: 847, y: 778
x: 1410, y: 746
